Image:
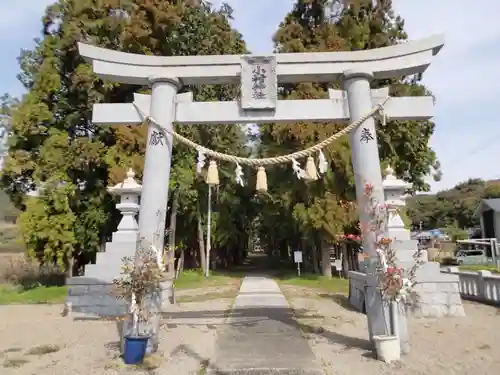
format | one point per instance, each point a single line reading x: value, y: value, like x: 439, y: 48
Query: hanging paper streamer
x: 299, y: 172
x: 239, y: 175
x: 201, y: 161
x: 383, y: 117
x: 322, y: 163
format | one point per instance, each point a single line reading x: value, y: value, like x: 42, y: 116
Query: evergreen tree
x: 58, y: 151
x: 318, y: 211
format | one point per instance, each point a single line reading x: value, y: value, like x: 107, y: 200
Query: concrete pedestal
x: 438, y: 293
x: 91, y: 295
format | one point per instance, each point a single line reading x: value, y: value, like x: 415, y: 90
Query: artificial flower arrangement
x: 395, y: 283
x: 139, y: 279
x: 349, y: 237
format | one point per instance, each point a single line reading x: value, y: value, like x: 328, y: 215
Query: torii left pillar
x: 157, y: 164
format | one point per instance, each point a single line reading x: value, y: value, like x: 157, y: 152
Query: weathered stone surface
x: 438, y: 293
x: 167, y: 292
x: 261, y: 336
x: 93, y: 299
x: 108, y: 264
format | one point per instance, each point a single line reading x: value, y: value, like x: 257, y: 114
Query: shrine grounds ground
x: 36, y: 339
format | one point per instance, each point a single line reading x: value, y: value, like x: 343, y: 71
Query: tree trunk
x: 180, y: 264
x: 346, y: 266
x: 201, y: 240
x: 170, y: 258
x: 283, y: 251
x: 314, y: 257
x: 326, y: 267
x: 306, y: 255
x: 71, y: 265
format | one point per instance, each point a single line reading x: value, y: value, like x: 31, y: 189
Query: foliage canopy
x: 55, y: 149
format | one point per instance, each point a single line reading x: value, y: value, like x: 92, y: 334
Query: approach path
x: 261, y: 336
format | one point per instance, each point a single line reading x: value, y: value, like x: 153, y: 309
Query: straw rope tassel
x: 212, y: 174
x: 311, y: 172
x: 261, y: 179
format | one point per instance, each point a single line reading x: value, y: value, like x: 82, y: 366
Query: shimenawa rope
x: 310, y: 173
x: 267, y: 161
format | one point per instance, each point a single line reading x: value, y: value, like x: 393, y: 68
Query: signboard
x: 297, y: 256
x: 259, y: 83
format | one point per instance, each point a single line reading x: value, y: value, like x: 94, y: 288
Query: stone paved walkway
x: 261, y: 336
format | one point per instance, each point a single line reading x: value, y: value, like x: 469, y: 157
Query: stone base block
x: 167, y: 292
x: 438, y: 297
x: 93, y: 298
x: 438, y: 294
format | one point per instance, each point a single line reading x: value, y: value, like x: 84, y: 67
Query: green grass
x: 478, y: 267
x: 38, y: 295
x: 333, y: 285
x: 192, y: 279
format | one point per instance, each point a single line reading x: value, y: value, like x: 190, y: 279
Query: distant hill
x: 453, y: 207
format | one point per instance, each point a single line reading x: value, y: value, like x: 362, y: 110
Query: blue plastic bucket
x: 135, y: 349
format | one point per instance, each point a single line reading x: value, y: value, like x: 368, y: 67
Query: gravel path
x: 90, y: 347
x: 451, y: 346
x: 448, y: 346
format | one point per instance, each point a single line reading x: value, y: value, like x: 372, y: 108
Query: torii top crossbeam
x: 398, y: 60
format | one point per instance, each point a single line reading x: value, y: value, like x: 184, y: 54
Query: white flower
x: 382, y: 260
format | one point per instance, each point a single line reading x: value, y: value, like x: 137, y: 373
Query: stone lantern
x: 129, y: 191
x: 394, y: 192
x: 124, y: 240
x: 91, y: 294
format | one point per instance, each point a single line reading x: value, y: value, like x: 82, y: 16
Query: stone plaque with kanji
x: 258, y: 82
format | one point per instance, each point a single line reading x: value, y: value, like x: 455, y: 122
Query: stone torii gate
x: 259, y: 77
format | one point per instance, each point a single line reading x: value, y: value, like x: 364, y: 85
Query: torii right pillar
x: 366, y: 166
x: 438, y: 292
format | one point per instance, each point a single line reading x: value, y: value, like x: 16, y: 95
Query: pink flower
x: 368, y: 190
x: 364, y: 226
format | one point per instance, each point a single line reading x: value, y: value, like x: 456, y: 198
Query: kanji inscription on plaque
x: 258, y: 82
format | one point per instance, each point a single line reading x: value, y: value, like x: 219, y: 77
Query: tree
x: 55, y: 148
x: 453, y: 208
x: 403, y: 144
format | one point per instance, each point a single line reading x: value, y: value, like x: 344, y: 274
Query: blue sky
x: 463, y: 76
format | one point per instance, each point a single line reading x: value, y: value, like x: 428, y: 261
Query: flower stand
x: 387, y: 348
x: 134, y: 349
